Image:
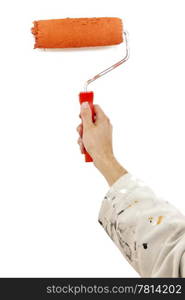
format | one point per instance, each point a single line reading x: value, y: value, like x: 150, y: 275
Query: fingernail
x: 84, y: 105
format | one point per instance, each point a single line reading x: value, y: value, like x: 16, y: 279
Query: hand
x: 96, y: 138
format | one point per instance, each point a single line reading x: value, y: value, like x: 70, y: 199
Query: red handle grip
x: 87, y: 97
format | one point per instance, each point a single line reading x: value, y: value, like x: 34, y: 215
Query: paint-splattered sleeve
x: 149, y: 232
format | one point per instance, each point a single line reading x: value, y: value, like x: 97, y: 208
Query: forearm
x: 110, y: 168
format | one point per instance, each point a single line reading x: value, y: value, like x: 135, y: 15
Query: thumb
x: 86, y: 115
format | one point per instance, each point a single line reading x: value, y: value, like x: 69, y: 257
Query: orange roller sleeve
x: 76, y: 33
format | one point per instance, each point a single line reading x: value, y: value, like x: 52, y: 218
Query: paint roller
x: 78, y: 33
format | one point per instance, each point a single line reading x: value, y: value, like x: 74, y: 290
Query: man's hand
x: 96, y: 138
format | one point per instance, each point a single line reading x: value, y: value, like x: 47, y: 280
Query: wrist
x: 110, y: 168
x: 102, y: 161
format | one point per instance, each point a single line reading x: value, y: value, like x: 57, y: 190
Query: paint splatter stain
x: 100, y: 222
x: 150, y: 219
x: 145, y: 246
x: 136, y: 201
x: 130, y: 205
x: 120, y: 212
x: 159, y: 220
x: 135, y: 246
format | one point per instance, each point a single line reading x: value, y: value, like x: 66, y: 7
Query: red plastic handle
x: 87, y: 97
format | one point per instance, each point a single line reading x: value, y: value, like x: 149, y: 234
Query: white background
x: 49, y: 198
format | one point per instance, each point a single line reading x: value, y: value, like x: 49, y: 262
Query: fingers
x: 100, y: 115
x: 86, y: 115
x: 80, y: 143
x: 79, y: 129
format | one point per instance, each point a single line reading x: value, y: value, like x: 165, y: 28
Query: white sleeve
x: 149, y: 232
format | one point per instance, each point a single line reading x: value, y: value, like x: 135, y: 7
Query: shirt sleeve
x: 149, y: 232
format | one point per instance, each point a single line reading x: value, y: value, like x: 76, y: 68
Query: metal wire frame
x: 126, y: 57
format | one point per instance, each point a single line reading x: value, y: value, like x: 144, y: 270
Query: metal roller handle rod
x: 111, y: 67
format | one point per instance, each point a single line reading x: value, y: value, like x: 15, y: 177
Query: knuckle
x: 106, y: 120
x: 109, y: 122
x: 96, y: 106
x: 84, y: 112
